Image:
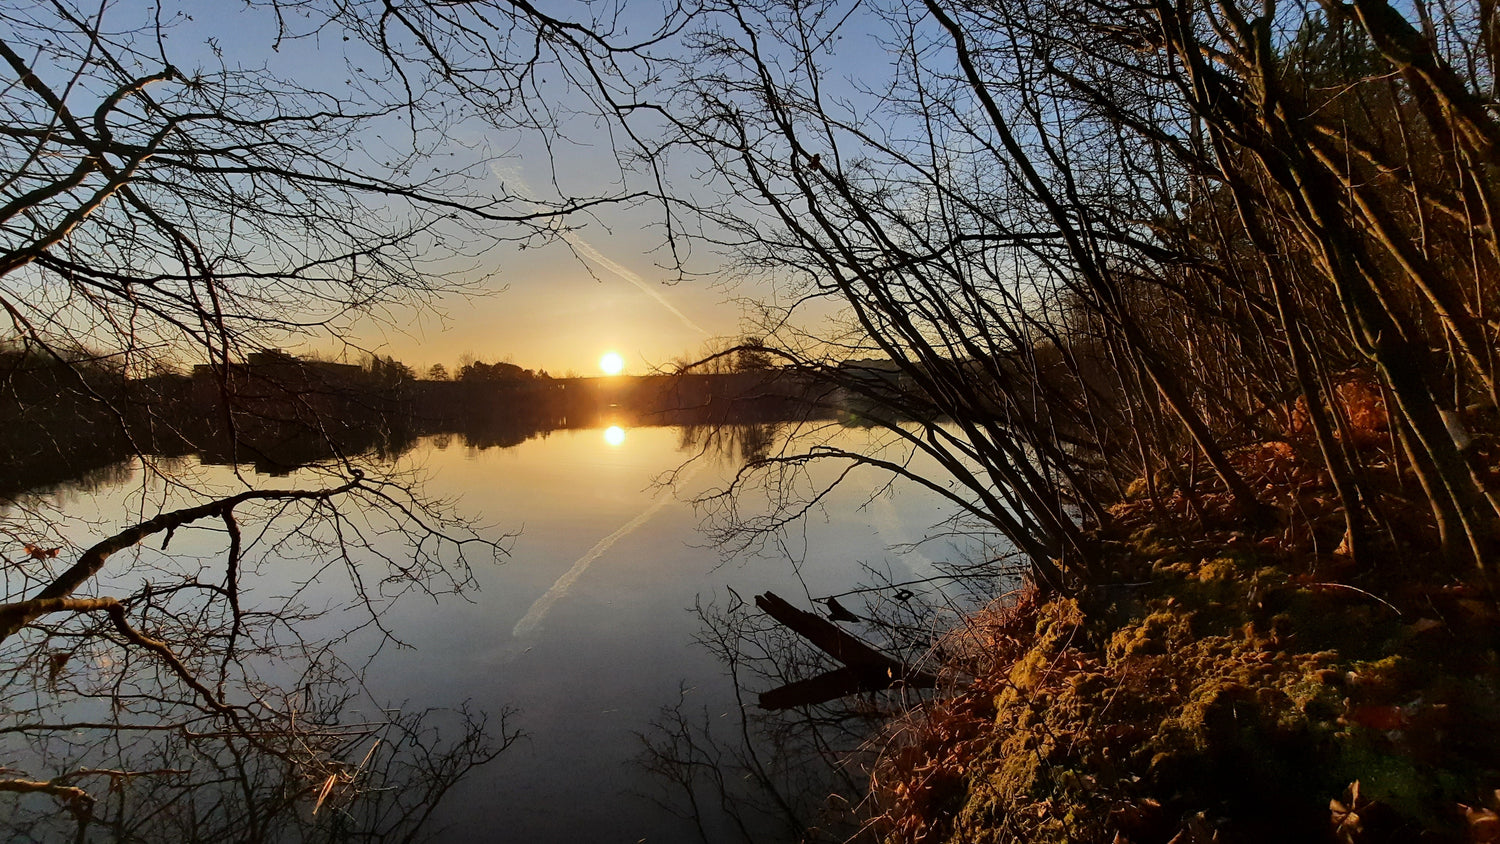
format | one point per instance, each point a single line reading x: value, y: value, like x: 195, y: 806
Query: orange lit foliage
x: 1360, y: 401
x: 1234, y: 690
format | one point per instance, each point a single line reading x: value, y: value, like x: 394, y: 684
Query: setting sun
x: 612, y: 363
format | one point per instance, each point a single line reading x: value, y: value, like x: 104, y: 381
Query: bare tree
x: 1108, y: 242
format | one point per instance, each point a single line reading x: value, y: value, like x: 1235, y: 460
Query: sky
x: 559, y: 307
x: 600, y: 286
x: 560, y: 310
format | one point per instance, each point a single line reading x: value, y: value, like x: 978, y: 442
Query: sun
x: 612, y: 363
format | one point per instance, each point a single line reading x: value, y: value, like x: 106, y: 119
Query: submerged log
x: 866, y: 669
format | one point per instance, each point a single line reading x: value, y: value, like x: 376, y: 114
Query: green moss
x: 1229, y: 692
x: 1219, y: 568
x: 1153, y: 635
x: 1381, y: 681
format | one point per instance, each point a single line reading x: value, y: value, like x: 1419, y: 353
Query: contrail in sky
x: 588, y: 251
x: 564, y: 584
x: 517, y: 181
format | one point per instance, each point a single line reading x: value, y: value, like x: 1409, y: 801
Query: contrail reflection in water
x: 560, y: 588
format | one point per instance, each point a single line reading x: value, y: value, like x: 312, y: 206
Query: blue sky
x: 557, y: 307
x: 605, y: 282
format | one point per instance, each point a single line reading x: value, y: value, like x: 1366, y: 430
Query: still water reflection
x: 586, y: 627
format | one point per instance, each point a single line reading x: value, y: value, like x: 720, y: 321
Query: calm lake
x: 586, y: 629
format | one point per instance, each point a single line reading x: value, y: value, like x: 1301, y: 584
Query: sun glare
x: 614, y: 435
x: 612, y: 363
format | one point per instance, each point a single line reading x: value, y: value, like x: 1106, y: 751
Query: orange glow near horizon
x: 611, y: 363
x: 614, y: 435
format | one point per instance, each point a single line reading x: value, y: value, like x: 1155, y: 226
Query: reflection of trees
x: 800, y: 774
x: 739, y: 443
x: 207, y: 694
x: 753, y: 775
x: 367, y: 781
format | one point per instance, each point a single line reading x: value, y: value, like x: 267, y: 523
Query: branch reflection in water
x: 802, y: 773
x: 186, y: 657
x: 160, y: 762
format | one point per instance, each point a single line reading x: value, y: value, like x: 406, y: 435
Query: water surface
x: 585, y: 627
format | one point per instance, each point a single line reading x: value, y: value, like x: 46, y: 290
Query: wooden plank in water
x: 866, y: 669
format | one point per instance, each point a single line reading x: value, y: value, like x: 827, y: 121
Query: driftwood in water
x: 866, y: 669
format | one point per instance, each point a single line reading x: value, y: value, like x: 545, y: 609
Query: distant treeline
x: 66, y: 417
